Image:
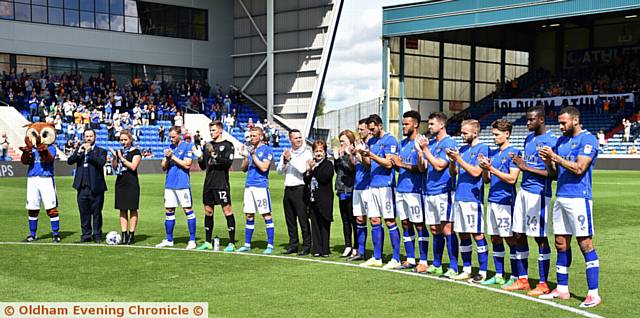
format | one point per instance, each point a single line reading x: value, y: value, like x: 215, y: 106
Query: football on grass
x: 113, y: 238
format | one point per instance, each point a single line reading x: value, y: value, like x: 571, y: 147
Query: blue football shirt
x: 471, y: 189
x: 363, y: 177
x: 256, y: 177
x: 39, y: 168
x: 409, y: 182
x: 178, y: 177
x: 532, y: 144
x: 381, y: 176
x: 500, y: 191
x: 439, y: 182
x: 570, y: 148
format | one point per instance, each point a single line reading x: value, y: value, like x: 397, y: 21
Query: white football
x: 113, y: 238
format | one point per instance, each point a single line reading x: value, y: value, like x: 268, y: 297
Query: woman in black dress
x: 345, y: 168
x: 125, y: 163
x: 319, y: 180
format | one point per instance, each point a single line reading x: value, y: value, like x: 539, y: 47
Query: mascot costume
x: 39, y: 153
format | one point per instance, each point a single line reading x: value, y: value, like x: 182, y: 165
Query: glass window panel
x: 457, y: 51
x: 394, y: 85
x: 116, y: 6
x: 487, y: 54
x: 456, y: 69
x: 431, y: 48
x: 198, y: 16
x: 130, y: 8
x: 457, y: 91
x: 23, y: 12
x: 60, y: 66
x: 517, y: 57
x: 39, y: 2
x: 131, y: 24
x: 514, y: 71
x: 55, y: 3
x: 394, y: 66
x: 6, y: 10
x: 39, y: 14
x: 33, y: 64
x: 102, y: 21
x: 55, y: 16
x: 4, y: 58
x: 102, y: 6
x: 394, y: 44
x: 86, y: 5
x: 23, y: 1
x: 487, y: 72
x: 117, y: 23
x: 71, y: 17
x: 122, y: 72
x: 199, y: 74
x: 87, y: 20
x: 91, y: 68
x: 5, y: 67
x: 71, y: 4
x: 199, y: 32
x: 483, y: 90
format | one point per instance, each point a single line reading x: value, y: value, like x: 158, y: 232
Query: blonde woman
x: 127, y: 199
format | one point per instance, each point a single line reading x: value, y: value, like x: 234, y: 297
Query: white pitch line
x: 495, y: 290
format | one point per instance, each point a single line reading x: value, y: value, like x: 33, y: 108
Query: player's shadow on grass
x: 63, y: 235
x: 139, y: 238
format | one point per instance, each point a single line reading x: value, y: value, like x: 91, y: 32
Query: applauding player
x: 216, y: 161
x: 502, y: 173
x: 256, y: 162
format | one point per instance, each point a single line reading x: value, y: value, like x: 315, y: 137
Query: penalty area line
x: 490, y: 289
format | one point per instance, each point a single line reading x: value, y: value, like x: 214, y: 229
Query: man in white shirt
x: 293, y: 163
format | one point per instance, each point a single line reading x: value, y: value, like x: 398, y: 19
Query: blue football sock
x: 522, y: 254
x: 377, y: 237
x: 483, y: 256
x: 438, y: 249
x: 55, y: 224
x: 423, y: 241
x: 498, y: 258
x: 408, y: 236
x: 593, y: 269
x: 248, y: 232
x: 466, y: 248
x: 513, y: 258
x: 394, y: 235
x: 452, y: 249
x: 169, y: 223
x: 191, y: 223
x: 544, y: 261
x: 270, y: 232
x: 33, y: 225
x: 563, y: 263
x: 362, y: 238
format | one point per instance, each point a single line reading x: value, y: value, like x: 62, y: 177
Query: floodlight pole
x: 401, y: 86
x: 270, y: 76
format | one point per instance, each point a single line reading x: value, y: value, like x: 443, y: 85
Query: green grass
x: 239, y: 285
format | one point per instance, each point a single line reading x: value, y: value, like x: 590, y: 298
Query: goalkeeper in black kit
x: 215, y: 159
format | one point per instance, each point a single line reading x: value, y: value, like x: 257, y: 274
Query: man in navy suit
x: 89, y: 182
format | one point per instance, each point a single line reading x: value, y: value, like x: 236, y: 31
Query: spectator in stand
x: 68, y: 148
x: 632, y: 150
x: 111, y: 131
x: 227, y: 104
x: 71, y: 131
x: 275, y: 138
x: 602, y: 142
x: 57, y: 123
x: 149, y: 153
x: 627, y: 130
x: 136, y: 127
x: 230, y: 120
x: 250, y: 123
x: 4, y: 147
x: 177, y: 120
x: 197, y: 140
x: 161, y: 133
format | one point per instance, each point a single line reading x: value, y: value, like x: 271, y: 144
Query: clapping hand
x: 168, y: 153
x: 310, y: 165
x: 286, y: 155
x: 546, y: 154
x: 453, y: 154
x: 518, y: 160
x: 484, y: 162
x: 119, y: 154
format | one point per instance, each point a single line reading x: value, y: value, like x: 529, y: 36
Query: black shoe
x: 125, y: 238
x: 131, y: 239
x: 85, y: 240
x: 30, y: 239
x: 357, y: 257
x: 98, y: 240
x: 303, y: 252
x: 325, y: 255
x: 56, y: 239
x: 291, y: 250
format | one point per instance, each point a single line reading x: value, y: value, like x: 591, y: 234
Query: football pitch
x: 239, y: 285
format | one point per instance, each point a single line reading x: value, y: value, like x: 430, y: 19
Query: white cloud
x: 355, y: 69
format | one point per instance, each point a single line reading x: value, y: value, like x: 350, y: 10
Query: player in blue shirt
x: 500, y: 171
x: 409, y: 192
x: 532, y: 207
x: 571, y: 161
x: 438, y: 194
x: 177, y: 187
x: 467, y: 206
x: 382, y: 147
x: 361, y: 194
x: 256, y: 163
x: 39, y: 154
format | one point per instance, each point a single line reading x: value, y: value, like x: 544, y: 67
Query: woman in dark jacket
x: 345, y: 177
x: 318, y: 178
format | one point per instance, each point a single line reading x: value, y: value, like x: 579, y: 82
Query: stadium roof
x: 443, y: 15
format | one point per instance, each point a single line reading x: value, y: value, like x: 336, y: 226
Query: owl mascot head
x: 38, y: 137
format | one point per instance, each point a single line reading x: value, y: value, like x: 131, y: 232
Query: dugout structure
x: 449, y: 55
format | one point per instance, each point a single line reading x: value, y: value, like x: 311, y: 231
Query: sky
x: 355, y: 69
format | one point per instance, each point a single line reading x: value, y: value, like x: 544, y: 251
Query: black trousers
x: 90, y: 206
x: 320, y: 229
x: 348, y: 223
x: 295, y: 210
